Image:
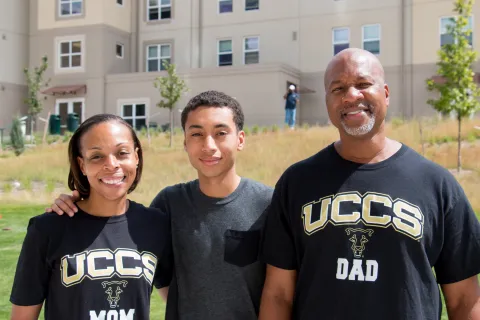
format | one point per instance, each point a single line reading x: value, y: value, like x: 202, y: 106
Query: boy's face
x: 212, y: 141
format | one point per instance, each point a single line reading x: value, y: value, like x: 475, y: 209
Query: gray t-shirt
x: 215, y: 245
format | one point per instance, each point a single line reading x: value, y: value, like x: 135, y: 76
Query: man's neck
x: 369, y: 150
x: 219, y: 187
x: 101, y: 207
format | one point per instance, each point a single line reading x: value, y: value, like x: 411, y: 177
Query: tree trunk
x: 171, y: 127
x: 148, y: 132
x: 32, y: 118
x: 420, y: 124
x: 459, y: 158
x: 45, y: 129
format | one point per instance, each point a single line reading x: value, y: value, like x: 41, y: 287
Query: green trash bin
x: 72, y: 122
x: 54, y: 124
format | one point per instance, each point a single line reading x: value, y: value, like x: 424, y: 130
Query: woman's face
x: 109, y: 160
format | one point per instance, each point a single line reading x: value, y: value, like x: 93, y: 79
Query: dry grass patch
x: 264, y: 158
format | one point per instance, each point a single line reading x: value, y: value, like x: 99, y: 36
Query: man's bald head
x: 354, y: 57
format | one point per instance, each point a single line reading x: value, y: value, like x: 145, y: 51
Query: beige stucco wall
x: 275, y: 42
x: 13, y: 40
x: 13, y: 59
x: 11, y: 103
x: 95, y: 12
x: 426, y: 22
x: 258, y: 89
x: 118, y: 16
x: 316, y: 35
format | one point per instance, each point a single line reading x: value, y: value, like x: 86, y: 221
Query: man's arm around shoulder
x: 462, y: 299
x: 277, y: 296
x: 25, y: 312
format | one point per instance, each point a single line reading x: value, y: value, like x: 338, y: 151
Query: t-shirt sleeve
x: 160, y: 201
x: 460, y: 255
x: 32, y: 276
x: 164, y: 270
x: 277, y: 245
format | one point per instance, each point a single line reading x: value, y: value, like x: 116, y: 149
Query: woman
x: 102, y: 263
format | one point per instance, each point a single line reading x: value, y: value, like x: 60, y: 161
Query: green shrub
x: 396, y: 122
x: 67, y: 136
x: 16, y: 137
x: 7, y: 187
x: 50, y: 187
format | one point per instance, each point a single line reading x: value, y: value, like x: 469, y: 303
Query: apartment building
x: 14, y: 43
x: 105, y: 54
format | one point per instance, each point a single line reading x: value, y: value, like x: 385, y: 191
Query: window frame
x: 256, y: 9
x: 159, y: 6
x: 134, y: 103
x: 245, y: 51
x: 379, y: 39
x: 333, y: 37
x: 159, y: 57
x: 71, y: 14
x: 440, y: 33
x: 218, y: 6
x: 70, y: 54
x: 224, y: 53
x: 121, y: 45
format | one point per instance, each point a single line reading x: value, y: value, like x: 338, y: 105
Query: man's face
x: 212, y: 140
x: 356, y: 95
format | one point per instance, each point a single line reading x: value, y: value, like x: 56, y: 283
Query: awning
x: 303, y: 90
x: 63, y: 90
x: 440, y: 79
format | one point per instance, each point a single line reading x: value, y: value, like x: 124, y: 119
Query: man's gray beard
x: 362, y: 130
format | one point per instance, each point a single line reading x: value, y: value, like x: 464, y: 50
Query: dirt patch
x: 15, y: 187
x: 462, y: 173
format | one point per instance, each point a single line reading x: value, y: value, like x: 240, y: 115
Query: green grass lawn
x: 16, y: 218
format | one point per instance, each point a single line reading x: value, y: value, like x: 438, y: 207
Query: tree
x: 34, y: 83
x: 458, y: 92
x: 16, y: 137
x: 171, y: 89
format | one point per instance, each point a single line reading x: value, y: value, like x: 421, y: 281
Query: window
x: 70, y: 54
x: 225, y: 53
x: 159, y: 10
x: 371, y: 38
x: 251, y: 50
x: 120, y: 2
x: 64, y: 107
x: 445, y: 37
x: 70, y: 7
x: 225, y: 6
x: 341, y: 39
x: 156, y: 55
x: 252, y: 5
x: 119, y: 50
x: 135, y: 115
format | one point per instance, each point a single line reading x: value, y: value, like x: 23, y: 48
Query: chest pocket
x: 241, y: 247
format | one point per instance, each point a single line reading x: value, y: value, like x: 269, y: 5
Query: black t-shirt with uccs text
x: 89, y: 267
x: 364, y: 238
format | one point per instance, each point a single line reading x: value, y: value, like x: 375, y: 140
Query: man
x: 354, y: 231
x: 216, y: 219
x: 291, y: 100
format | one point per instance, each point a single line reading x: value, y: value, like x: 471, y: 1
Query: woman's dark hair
x: 76, y: 179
